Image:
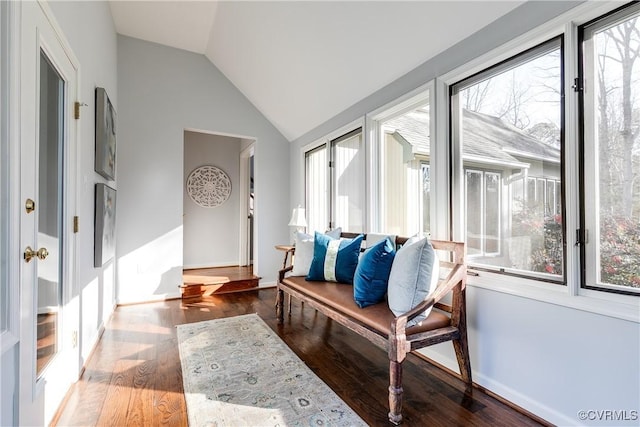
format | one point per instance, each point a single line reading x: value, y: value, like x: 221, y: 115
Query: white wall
x: 550, y: 359
x: 161, y: 92
x: 90, y: 31
x: 211, y: 234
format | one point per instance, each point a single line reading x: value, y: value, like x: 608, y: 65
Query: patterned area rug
x: 238, y: 372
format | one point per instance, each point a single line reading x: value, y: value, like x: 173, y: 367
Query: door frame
x: 10, y: 222
x: 245, y: 158
x: 39, y: 398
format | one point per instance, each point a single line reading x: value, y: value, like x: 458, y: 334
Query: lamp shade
x: 298, y: 217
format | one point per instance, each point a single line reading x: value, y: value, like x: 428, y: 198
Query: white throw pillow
x: 373, y: 238
x: 414, y: 275
x: 304, y: 251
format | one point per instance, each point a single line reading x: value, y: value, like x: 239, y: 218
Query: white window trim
x: 626, y: 307
x: 326, y: 141
x: 407, y: 102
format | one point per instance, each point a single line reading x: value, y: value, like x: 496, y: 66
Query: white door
x: 48, y: 315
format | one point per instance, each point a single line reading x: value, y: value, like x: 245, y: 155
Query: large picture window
x: 507, y: 133
x: 611, y: 154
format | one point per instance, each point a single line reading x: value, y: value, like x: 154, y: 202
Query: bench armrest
x: 456, y: 276
x: 284, y: 271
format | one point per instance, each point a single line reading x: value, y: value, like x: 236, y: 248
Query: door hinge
x: 331, y: 163
x: 577, y: 85
x: 76, y: 109
x: 75, y: 224
x: 582, y: 236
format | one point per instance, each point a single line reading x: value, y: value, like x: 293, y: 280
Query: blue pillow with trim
x: 334, y: 260
x: 372, y: 274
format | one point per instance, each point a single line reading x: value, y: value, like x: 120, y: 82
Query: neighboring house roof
x: 487, y: 139
x: 413, y: 127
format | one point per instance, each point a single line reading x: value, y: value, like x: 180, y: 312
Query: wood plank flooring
x: 200, y: 283
x: 134, y: 375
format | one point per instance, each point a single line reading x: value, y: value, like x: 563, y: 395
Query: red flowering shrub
x: 620, y: 251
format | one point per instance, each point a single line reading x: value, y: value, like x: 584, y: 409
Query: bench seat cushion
x: 377, y: 316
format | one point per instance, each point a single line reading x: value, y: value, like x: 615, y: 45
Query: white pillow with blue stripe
x: 334, y: 260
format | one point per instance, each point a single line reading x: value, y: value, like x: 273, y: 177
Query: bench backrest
x: 455, y: 249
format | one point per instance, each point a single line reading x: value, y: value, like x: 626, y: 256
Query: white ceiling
x: 302, y: 62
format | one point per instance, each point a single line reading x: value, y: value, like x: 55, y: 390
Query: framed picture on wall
x: 105, y: 159
x: 105, y: 225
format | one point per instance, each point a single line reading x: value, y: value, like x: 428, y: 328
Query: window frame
x: 327, y: 141
x: 572, y: 295
x: 589, y: 190
x: 333, y: 181
x: 425, y: 94
x: 459, y: 218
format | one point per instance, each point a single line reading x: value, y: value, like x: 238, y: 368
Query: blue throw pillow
x: 334, y: 260
x: 372, y: 274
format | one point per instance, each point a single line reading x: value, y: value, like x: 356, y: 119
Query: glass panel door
x: 50, y: 192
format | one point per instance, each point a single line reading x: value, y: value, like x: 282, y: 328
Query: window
x: 316, y: 189
x: 347, y: 182
x: 404, y: 169
x: 507, y: 135
x: 334, y: 184
x: 611, y: 153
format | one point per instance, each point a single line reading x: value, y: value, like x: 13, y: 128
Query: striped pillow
x: 334, y: 260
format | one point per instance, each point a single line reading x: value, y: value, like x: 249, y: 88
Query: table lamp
x: 298, y: 221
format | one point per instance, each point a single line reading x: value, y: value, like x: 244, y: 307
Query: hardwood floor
x: 203, y: 282
x: 46, y: 330
x: 134, y: 375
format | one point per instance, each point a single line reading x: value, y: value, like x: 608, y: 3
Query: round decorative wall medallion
x: 208, y: 186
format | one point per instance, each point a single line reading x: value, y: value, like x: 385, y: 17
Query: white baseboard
x: 506, y: 392
x: 212, y: 265
x: 267, y: 284
x: 152, y: 298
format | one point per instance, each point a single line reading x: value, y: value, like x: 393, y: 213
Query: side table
x: 287, y: 249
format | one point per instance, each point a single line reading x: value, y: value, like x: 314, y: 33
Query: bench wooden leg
x: 395, y: 392
x: 460, y: 345
x: 462, y: 354
x: 279, y: 306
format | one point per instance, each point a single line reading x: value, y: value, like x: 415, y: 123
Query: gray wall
x: 211, y: 234
x: 163, y: 91
x: 90, y: 31
x: 550, y: 359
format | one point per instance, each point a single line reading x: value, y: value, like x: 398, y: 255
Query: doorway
x: 218, y: 200
x: 247, y: 204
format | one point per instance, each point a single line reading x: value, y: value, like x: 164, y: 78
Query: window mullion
x: 571, y: 215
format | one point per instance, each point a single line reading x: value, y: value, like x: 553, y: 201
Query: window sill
x: 625, y: 307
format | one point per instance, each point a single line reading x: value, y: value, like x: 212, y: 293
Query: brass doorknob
x: 29, y: 253
x: 42, y: 253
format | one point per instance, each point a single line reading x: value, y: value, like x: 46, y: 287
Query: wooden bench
x: 378, y: 324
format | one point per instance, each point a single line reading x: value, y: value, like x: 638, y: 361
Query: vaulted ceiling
x: 302, y: 62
